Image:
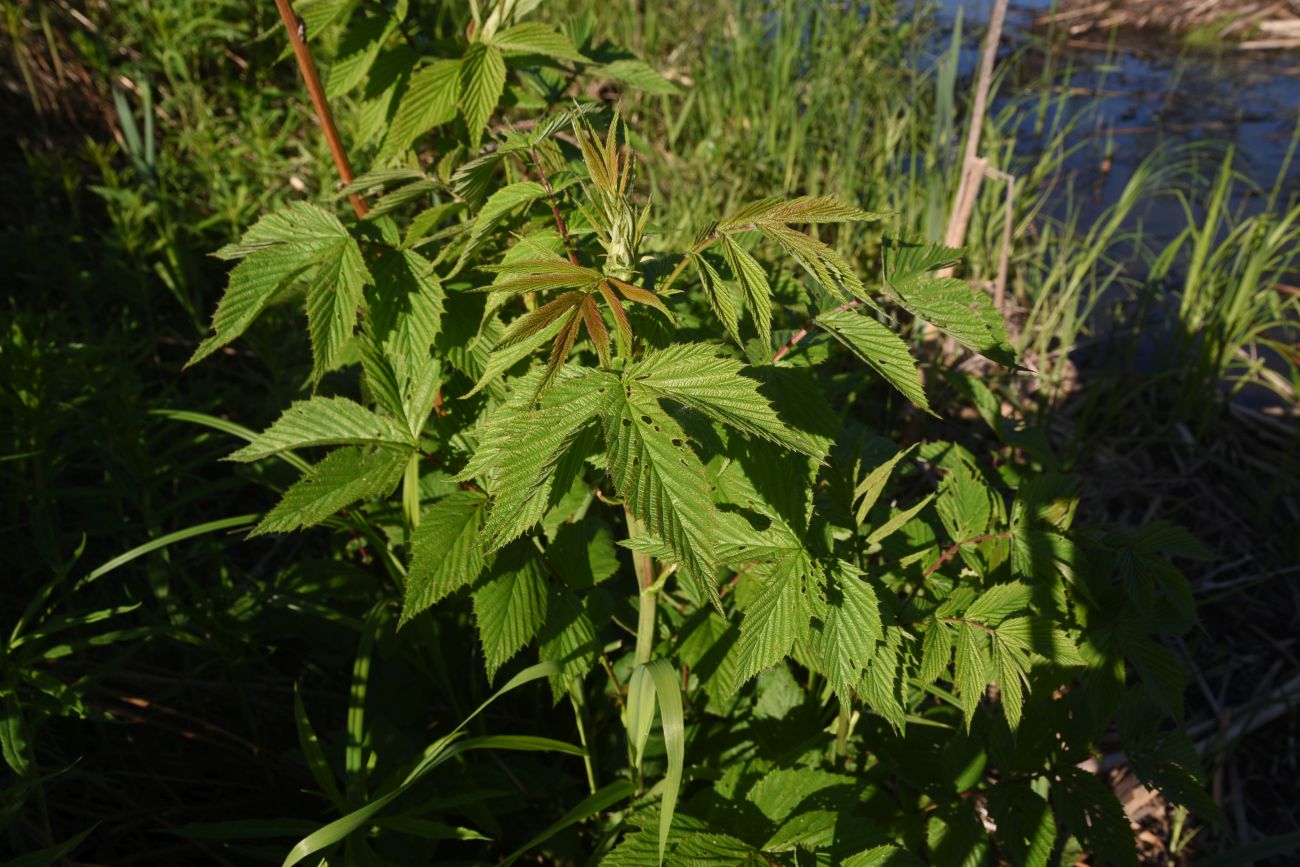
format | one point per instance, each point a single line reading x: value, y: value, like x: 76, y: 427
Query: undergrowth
x: 614, y: 387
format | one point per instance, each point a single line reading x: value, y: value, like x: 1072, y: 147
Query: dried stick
x: 972, y: 168
x: 297, y: 30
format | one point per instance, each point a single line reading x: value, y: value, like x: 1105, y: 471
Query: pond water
x: 1136, y: 95
x: 1145, y: 92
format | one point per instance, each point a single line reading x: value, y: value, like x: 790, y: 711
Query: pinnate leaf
x: 428, y: 101
x: 510, y: 607
x: 278, y: 249
x: 533, y: 38
x: 695, y: 375
x: 446, y: 552
x: 325, y: 421
x: 879, y: 347
x: 341, y: 478
x: 482, y: 81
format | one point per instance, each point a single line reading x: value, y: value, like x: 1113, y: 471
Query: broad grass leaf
x: 439, y: 752
x: 667, y: 686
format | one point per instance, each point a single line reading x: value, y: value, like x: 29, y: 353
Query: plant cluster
x: 671, y: 476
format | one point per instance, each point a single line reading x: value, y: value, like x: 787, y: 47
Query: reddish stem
x: 297, y: 30
x: 803, y: 332
x: 957, y: 546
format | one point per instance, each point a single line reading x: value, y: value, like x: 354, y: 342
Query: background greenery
x: 158, y: 697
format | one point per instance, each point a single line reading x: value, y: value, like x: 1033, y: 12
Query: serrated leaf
x: 817, y: 209
x: 828, y: 267
x: 998, y: 603
x: 850, y: 628
x: 936, y: 651
x: 1026, y: 828
x: 525, y: 454
x: 896, y: 522
x: 1159, y: 667
x: 568, y: 638
x: 961, y: 311
x: 510, y: 607
x: 880, y: 687
x: 873, y: 484
x: 1010, y: 668
x: 773, y: 621
x: 428, y: 101
x: 708, y: 649
x: 278, y: 249
x: 325, y: 421
x: 538, y: 275
x: 695, y: 375
x: 1091, y: 813
x: 662, y: 480
x: 445, y: 551
x: 506, y: 356
x: 356, y: 53
x: 333, y: 296
x: 718, y: 294
x: 971, y: 668
x: 638, y: 74
x: 879, y: 347
x: 495, y: 209
x: 883, y: 856
x: 955, y: 837
x: 1037, y: 634
x: 407, y: 310
x: 482, y: 81
x: 341, y: 478
x: 533, y: 38
x: 753, y: 281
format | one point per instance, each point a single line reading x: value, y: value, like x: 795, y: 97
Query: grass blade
x: 667, y: 686
x: 611, y: 794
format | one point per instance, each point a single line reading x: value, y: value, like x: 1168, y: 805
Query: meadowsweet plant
x: 669, y: 479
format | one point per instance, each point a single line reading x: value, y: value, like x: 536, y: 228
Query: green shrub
x: 860, y: 651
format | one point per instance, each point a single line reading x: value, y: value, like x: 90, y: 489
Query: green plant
x: 863, y: 647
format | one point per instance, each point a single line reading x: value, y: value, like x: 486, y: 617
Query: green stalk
x: 575, y: 697
x: 411, y: 492
x: 842, y: 733
x: 647, y: 594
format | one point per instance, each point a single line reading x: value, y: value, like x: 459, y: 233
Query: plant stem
x: 297, y: 30
x: 697, y: 248
x: 575, y: 697
x: 842, y: 732
x: 555, y: 208
x: 647, y: 595
x: 411, y: 492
